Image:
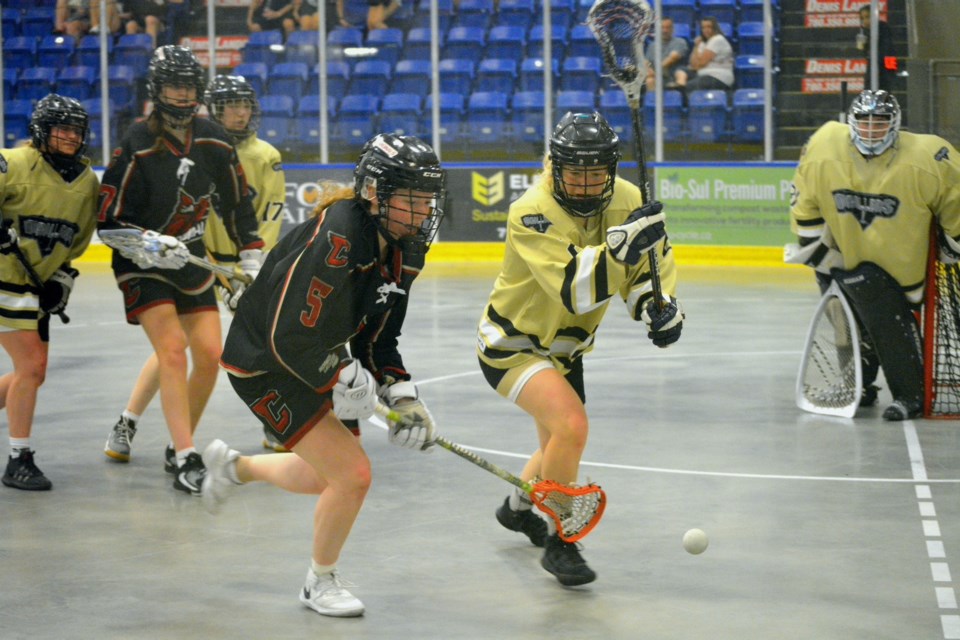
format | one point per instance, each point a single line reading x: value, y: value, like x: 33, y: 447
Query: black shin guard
x: 889, y: 322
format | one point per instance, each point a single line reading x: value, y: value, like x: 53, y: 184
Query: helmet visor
x: 409, y: 213
x: 584, y: 191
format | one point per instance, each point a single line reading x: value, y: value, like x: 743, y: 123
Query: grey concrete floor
x: 819, y: 527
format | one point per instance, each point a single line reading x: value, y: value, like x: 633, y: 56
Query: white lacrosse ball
x: 695, y: 541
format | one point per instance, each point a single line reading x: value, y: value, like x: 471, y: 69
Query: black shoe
x: 563, y: 560
x: 901, y: 410
x: 190, y: 476
x: 169, y: 460
x: 869, y: 396
x: 526, y: 522
x: 22, y: 473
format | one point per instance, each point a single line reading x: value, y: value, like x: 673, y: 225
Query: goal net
x: 941, y: 337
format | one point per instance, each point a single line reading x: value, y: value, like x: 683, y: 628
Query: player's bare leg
x: 144, y: 389
x: 206, y: 344
x: 19, y: 396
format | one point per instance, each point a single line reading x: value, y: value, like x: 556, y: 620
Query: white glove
x: 355, y: 393
x: 416, y: 430
x: 231, y: 295
x: 250, y: 262
x: 162, y: 251
x: 639, y: 233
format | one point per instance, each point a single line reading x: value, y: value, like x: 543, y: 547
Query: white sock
x: 18, y: 444
x: 182, y: 455
x: 131, y: 417
x: 520, y: 501
x: 321, y: 569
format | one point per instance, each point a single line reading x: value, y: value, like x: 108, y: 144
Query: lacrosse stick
x: 576, y: 510
x: 34, y: 276
x: 131, y: 242
x: 830, y: 380
x: 620, y: 27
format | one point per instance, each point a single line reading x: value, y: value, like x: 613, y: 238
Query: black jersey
x: 324, y: 286
x: 155, y: 182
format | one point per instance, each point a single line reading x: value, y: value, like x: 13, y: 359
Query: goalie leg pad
x: 888, y: 319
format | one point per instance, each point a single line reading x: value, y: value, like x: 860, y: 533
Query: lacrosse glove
x: 416, y: 428
x: 56, y: 290
x: 663, y: 325
x: 355, y: 393
x: 8, y: 237
x: 162, y: 251
x: 639, y: 233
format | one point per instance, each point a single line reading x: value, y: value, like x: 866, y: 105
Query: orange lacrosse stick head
x: 575, y: 510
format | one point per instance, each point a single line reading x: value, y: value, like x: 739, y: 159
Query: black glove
x: 638, y: 234
x: 8, y: 237
x: 664, y: 324
x: 56, y: 290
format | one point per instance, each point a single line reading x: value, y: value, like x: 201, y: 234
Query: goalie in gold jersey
x: 48, y: 197
x: 864, y: 196
x: 232, y: 103
x: 574, y: 240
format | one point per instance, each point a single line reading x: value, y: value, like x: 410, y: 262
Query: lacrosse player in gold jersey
x: 231, y: 102
x: 864, y: 196
x: 574, y: 240
x: 48, y: 198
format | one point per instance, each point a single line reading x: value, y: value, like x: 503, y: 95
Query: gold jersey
x: 263, y: 168
x: 879, y: 209
x: 558, y: 277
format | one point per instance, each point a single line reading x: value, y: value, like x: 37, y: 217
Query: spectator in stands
x: 271, y: 15
x: 306, y: 14
x: 884, y: 50
x: 380, y: 11
x: 147, y: 16
x: 377, y: 12
x: 711, y: 61
x: 79, y: 17
x: 675, y: 52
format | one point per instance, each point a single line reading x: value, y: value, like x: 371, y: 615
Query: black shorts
x: 286, y: 407
x: 140, y: 294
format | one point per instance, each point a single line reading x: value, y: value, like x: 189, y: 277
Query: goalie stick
x: 620, y: 28
x: 575, y: 510
x: 131, y: 241
x: 830, y: 380
x: 34, y: 276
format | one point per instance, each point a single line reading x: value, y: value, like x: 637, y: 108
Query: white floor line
x: 939, y: 569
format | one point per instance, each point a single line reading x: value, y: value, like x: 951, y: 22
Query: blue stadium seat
x: 122, y: 80
x: 582, y: 42
x: 451, y: 117
x: 356, y: 119
x: 445, y: 13
x: 752, y: 10
x: 474, y: 13
x: 583, y: 10
x: 673, y: 114
x: 307, y: 123
x: 134, y: 50
x: 707, y: 115
x: 496, y: 74
x: 255, y: 73
x: 276, y: 116
x: 400, y: 114
x: 558, y: 42
x: 263, y: 46
x: 614, y: 107
x: 418, y: 44
x: 684, y: 30
x: 36, y: 82
x: 338, y: 78
x: 77, y: 82
x: 301, y: 46
x: 527, y: 116
x: 486, y: 119
x: 722, y: 10
x: 531, y: 74
x: 55, y: 51
x: 370, y: 77
x: 37, y: 22
x: 88, y: 51
x: 20, y: 52
x: 516, y: 12
x: 465, y: 42
x: 95, y: 139
x: 354, y: 13
x: 748, y: 71
x: 456, y: 75
x: 388, y: 42
x: 680, y: 10
x: 17, y: 114
x: 561, y: 13
x: 506, y: 41
x: 581, y: 73
x: 287, y: 79
x: 576, y: 101
x: 11, y: 23
x: 411, y: 76
x: 747, y: 115
x: 343, y: 37
x: 10, y: 81
x: 750, y: 37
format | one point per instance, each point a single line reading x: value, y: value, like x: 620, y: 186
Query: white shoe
x: 271, y: 443
x: 325, y: 595
x: 217, y: 484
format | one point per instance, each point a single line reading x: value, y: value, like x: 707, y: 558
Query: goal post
x: 941, y: 336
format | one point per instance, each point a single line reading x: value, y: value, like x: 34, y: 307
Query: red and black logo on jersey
x: 188, y: 213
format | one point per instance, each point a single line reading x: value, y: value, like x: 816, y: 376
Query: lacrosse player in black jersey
x: 48, y: 198
x: 339, y: 280
x: 168, y: 174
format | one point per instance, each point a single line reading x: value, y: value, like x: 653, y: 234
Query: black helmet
x: 867, y: 109
x: 56, y: 110
x: 176, y: 66
x: 388, y: 163
x: 224, y: 90
x: 583, y: 140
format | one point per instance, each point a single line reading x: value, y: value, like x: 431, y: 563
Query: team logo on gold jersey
x: 488, y: 191
x: 47, y: 232
x: 865, y: 207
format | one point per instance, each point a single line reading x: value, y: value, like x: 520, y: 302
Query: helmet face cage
x: 58, y: 111
x: 583, y: 142
x: 175, y: 66
x: 224, y: 91
x: 874, y: 121
x: 410, y: 186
